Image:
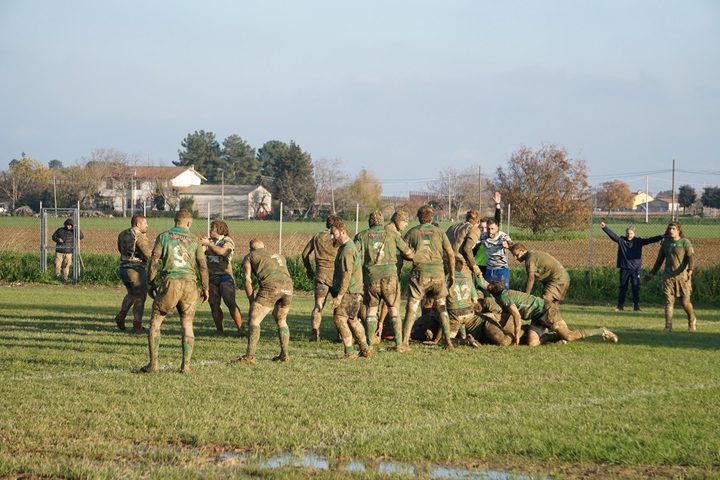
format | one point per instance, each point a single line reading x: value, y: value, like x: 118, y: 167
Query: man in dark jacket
x: 629, y: 261
x: 64, y: 239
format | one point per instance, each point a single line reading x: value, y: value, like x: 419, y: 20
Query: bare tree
x: 329, y: 178
x: 462, y: 186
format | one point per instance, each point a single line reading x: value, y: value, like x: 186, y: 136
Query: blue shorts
x: 498, y: 275
x: 222, y: 279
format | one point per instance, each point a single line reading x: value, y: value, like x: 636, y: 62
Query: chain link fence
x: 588, y: 249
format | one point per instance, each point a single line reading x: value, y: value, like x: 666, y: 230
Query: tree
x: 202, y: 152
x: 615, y: 195
x: 241, y: 164
x: 462, y: 186
x: 711, y: 197
x: 268, y: 154
x: 24, y: 182
x: 686, y: 196
x: 328, y: 179
x: 546, y: 189
x: 292, y: 170
x: 55, y: 165
x: 364, y: 192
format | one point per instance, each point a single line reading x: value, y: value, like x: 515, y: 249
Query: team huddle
x: 458, y: 284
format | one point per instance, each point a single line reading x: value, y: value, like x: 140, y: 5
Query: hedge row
x: 598, y: 286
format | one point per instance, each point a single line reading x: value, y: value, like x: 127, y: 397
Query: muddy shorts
x: 349, y: 305
x: 321, y: 291
x: 135, y: 280
x: 423, y: 284
x: 176, y: 292
x: 386, y: 289
x: 549, y: 318
x: 279, y: 294
x: 555, y: 291
x: 677, y: 286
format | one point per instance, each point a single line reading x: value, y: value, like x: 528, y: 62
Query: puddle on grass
x: 315, y: 461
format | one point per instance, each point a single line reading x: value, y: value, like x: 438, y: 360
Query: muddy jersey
x: 495, y: 253
x: 528, y: 305
x: 429, y: 243
x: 463, y: 237
x: 378, y: 251
x: 475, y: 326
x: 462, y: 293
x: 269, y: 268
x: 348, y: 260
x: 545, y: 268
x: 678, y: 256
x: 325, y: 251
x: 176, y: 254
x: 219, y: 265
x: 134, y: 248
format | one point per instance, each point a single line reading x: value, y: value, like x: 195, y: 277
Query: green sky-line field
x: 71, y: 406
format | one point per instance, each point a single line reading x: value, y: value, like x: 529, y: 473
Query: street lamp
x: 222, y: 195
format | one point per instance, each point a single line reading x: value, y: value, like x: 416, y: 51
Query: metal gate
x: 45, y: 234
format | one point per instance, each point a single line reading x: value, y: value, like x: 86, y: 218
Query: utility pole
x: 480, y: 189
x: 449, y: 200
x: 672, y: 205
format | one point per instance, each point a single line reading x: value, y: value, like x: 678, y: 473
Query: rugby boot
x: 367, y: 352
x: 149, y: 368
x: 608, y: 336
x: 636, y: 308
x: 349, y: 356
x: 692, y: 324
x: 471, y: 341
x: 314, y: 335
x: 401, y: 348
x: 245, y: 359
x: 120, y: 321
x: 283, y: 357
x: 140, y: 330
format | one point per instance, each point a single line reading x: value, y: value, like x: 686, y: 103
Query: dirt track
x: 571, y: 253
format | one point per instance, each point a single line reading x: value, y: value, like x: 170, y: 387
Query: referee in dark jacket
x: 629, y: 261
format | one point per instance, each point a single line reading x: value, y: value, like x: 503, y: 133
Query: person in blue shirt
x: 629, y: 261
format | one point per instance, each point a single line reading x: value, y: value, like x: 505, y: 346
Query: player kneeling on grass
x: 176, y: 258
x: 274, y: 293
x: 523, y: 306
x: 347, y: 292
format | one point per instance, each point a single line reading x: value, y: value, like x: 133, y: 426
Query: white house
x: 229, y: 201
x: 130, y: 187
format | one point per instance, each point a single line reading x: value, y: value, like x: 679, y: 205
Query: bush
x: 601, y: 287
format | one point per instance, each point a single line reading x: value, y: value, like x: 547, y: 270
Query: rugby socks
x: 396, y: 323
x: 371, y: 321
x: 284, y: 336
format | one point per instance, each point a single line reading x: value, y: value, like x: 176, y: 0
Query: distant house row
x: 134, y: 187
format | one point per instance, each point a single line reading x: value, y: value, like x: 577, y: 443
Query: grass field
x: 71, y: 407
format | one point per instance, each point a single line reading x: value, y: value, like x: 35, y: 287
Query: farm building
x: 229, y: 201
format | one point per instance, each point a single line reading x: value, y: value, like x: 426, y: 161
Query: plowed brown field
x: 571, y: 253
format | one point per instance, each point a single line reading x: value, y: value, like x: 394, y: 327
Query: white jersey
x: 495, y: 253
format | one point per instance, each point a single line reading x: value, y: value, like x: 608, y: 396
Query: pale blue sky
x: 403, y: 88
